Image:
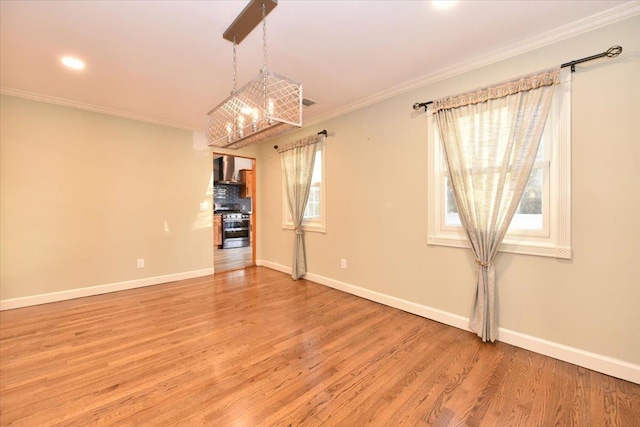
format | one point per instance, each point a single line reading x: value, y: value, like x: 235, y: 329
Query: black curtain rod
x: 612, y: 52
x: 322, y: 132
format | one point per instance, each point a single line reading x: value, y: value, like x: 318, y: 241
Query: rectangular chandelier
x: 267, y: 106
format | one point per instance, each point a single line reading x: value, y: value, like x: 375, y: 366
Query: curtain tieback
x: 298, y: 230
x: 483, y: 264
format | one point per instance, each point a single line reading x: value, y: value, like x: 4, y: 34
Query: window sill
x: 546, y: 249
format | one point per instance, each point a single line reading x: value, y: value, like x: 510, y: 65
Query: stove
x: 234, y: 215
x: 236, y: 229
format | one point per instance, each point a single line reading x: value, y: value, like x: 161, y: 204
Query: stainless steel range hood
x: 225, y: 171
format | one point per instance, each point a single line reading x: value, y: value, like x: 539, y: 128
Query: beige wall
x: 377, y: 207
x: 83, y: 195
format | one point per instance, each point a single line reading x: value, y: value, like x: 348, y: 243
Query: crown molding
x: 573, y: 29
x: 33, y: 96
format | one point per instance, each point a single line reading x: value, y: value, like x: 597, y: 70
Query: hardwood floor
x: 231, y: 259
x: 254, y: 348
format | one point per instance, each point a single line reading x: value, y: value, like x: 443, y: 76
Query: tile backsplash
x: 226, y: 194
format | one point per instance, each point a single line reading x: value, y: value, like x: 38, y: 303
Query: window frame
x: 554, y: 240
x: 315, y: 224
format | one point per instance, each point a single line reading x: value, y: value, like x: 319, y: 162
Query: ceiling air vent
x: 307, y: 102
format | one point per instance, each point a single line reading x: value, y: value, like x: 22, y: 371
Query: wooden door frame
x: 254, y: 207
x: 254, y: 202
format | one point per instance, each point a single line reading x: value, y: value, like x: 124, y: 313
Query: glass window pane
x: 528, y: 216
x: 531, y: 201
x: 313, y: 205
x: 312, y: 211
x: 317, y: 168
x: 451, y: 213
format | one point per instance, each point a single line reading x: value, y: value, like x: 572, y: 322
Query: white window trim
x: 314, y: 225
x: 557, y: 242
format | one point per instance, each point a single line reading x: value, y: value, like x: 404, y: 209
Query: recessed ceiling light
x: 443, y: 4
x: 71, y: 62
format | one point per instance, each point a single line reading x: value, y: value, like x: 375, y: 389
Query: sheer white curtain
x: 490, y: 139
x: 297, y: 159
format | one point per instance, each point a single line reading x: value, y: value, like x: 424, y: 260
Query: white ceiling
x: 166, y: 61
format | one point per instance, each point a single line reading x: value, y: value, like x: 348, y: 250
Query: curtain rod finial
x: 419, y: 105
x: 614, y: 51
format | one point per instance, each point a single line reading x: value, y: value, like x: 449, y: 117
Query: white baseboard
x: 12, y: 303
x: 596, y: 362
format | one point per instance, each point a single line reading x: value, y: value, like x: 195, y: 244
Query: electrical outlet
x: 343, y: 263
x: 204, y: 206
x: 140, y: 262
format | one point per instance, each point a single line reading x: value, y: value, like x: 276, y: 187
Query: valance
x: 301, y: 143
x: 547, y: 77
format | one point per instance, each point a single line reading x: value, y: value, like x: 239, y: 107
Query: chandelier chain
x: 264, y: 60
x: 235, y: 72
x: 264, y: 36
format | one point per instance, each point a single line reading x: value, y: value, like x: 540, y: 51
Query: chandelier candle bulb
x: 240, y: 126
x: 270, y: 110
x: 256, y: 117
x: 229, y: 132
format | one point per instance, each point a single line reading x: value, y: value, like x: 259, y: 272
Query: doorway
x: 234, y: 212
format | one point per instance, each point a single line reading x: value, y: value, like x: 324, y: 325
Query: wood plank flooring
x: 231, y: 259
x: 254, y: 348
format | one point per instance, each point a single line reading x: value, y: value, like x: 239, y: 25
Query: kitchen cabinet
x: 217, y: 230
x: 247, y: 180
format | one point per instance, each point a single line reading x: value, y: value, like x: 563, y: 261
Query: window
x: 314, y: 214
x: 542, y: 223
